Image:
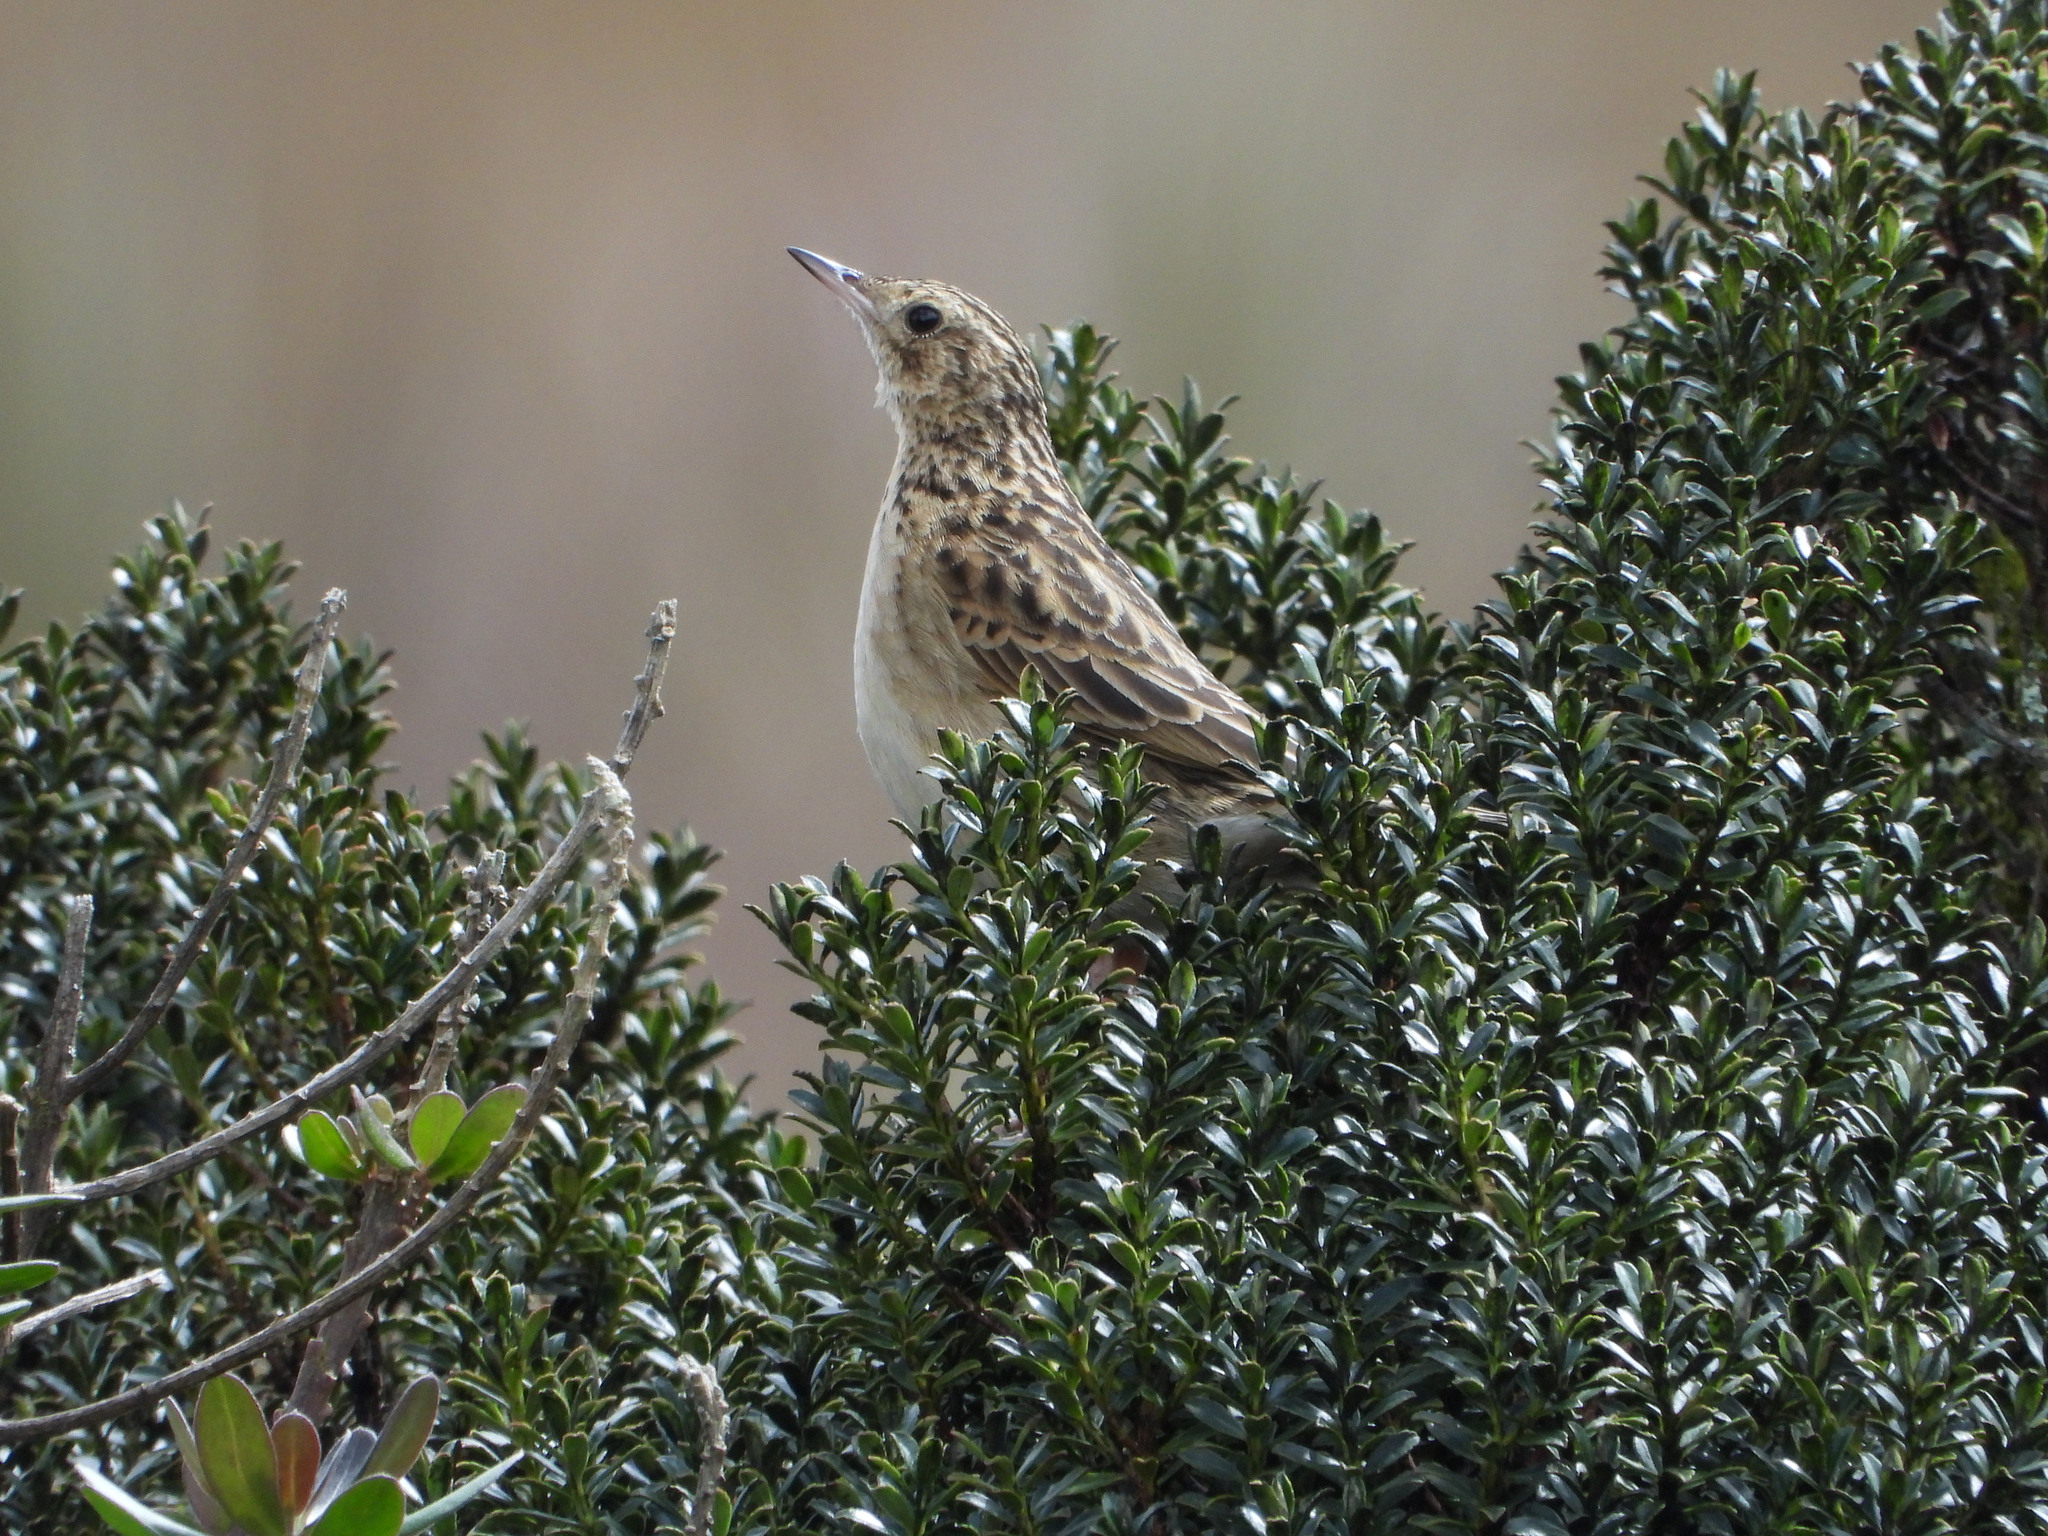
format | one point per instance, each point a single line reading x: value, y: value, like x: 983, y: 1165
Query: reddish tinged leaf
x: 297, y: 1444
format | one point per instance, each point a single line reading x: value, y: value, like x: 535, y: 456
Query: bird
x: 982, y: 563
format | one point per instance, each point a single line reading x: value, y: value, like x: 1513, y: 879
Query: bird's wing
x: 1039, y: 587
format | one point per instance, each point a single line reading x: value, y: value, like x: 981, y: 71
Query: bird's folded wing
x: 1061, y: 601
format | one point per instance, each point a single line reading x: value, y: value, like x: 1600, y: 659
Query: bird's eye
x: 922, y: 319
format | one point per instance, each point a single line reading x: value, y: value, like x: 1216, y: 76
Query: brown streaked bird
x: 983, y: 563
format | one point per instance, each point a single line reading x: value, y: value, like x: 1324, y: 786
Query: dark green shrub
x: 1647, y: 1166
x: 1653, y: 1151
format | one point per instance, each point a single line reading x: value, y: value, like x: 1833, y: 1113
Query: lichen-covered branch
x: 48, y: 1094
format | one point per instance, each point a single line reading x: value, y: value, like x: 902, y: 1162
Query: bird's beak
x: 842, y: 280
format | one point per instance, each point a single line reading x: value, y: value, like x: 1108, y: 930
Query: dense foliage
x: 1656, y: 1155
x: 1648, y: 1166
x: 119, y: 773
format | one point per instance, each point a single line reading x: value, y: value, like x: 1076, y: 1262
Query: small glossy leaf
x: 373, y: 1507
x: 29, y: 1273
x: 375, y: 1128
x: 433, y: 1122
x: 236, y: 1455
x: 323, y: 1149
x: 479, y: 1131
x: 796, y: 1188
x: 406, y: 1428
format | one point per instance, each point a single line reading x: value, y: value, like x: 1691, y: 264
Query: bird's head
x: 949, y: 364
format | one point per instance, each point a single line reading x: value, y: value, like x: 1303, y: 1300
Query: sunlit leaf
x: 433, y: 1121
x: 488, y: 1119
x: 323, y: 1149
x: 373, y: 1507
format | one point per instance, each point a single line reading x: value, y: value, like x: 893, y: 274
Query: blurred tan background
x: 483, y: 308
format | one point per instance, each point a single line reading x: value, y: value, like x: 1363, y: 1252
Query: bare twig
x: 609, y: 811
x: 647, y: 708
x: 712, y: 1413
x: 284, y: 767
x: 382, y: 1222
x: 486, y: 901
x: 86, y: 1301
x: 42, y: 1125
x: 606, y: 812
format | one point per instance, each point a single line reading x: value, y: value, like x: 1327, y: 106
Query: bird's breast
x: 912, y: 676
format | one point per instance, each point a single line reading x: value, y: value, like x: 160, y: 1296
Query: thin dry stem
x: 42, y: 1125
x: 86, y: 1301
x: 284, y: 767
x: 486, y: 901
x: 382, y: 1220
x: 606, y: 811
x: 552, y: 875
x: 712, y: 1414
x: 647, y: 707
x: 453, y: 984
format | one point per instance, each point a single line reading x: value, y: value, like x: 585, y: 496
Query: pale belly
x: 898, y: 748
x: 911, y: 679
